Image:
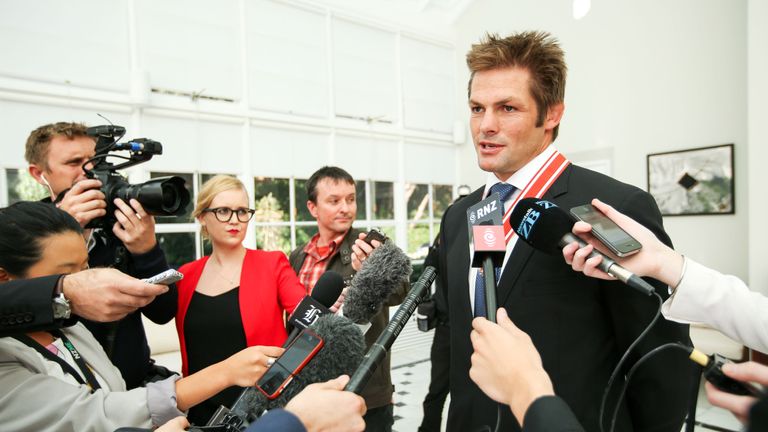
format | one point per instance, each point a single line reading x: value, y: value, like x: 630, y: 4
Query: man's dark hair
x: 331, y: 172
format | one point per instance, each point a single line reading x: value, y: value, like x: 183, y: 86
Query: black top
x: 128, y: 349
x: 210, y: 341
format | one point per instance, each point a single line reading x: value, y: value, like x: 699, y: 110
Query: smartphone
x: 294, y: 358
x: 375, y: 234
x: 611, y: 235
x: 165, y: 278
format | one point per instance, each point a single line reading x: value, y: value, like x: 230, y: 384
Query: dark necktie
x: 505, y: 191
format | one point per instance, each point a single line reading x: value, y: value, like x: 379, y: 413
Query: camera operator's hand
x: 134, y: 227
x: 84, y: 201
x: 327, y: 407
x: 739, y: 406
x: 107, y: 295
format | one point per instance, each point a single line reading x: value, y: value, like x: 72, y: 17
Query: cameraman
x: 57, y: 154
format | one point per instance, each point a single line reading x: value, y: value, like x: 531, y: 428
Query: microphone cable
x: 623, y: 359
x: 688, y: 350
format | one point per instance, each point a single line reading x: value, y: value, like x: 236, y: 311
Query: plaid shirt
x: 315, y: 263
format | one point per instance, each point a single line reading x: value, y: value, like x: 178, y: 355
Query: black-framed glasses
x: 224, y: 214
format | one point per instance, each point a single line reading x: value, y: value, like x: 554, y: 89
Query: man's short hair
x: 38, y: 142
x: 536, y: 51
x: 327, y: 172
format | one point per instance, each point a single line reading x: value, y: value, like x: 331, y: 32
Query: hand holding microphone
x: 506, y: 365
x: 655, y: 259
x: 547, y: 227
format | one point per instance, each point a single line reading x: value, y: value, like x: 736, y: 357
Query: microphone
x: 342, y: 352
x: 325, y: 293
x: 546, y: 227
x: 486, y: 233
x: 378, y: 350
x: 385, y: 269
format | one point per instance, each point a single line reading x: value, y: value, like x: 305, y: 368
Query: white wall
x: 644, y: 77
x: 758, y: 142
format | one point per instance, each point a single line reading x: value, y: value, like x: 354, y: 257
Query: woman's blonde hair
x: 208, y: 192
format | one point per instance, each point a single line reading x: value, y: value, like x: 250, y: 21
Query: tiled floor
x: 410, y: 374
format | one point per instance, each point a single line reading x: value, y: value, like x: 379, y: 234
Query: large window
x: 425, y: 205
x: 22, y: 187
x: 282, y: 220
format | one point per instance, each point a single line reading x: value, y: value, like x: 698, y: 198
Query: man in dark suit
x: 580, y: 326
x: 52, y: 302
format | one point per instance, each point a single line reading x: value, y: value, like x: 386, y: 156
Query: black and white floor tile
x: 410, y: 375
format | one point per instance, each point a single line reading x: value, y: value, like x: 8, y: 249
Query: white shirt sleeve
x: 720, y: 301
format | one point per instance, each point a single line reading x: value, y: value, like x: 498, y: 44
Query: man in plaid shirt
x: 332, y: 201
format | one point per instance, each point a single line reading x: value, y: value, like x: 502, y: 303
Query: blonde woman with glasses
x: 234, y: 298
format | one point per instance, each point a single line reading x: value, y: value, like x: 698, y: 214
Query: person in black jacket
x: 57, y: 154
x: 53, y: 302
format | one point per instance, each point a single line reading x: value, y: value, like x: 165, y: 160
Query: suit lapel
x: 458, y: 251
x: 522, y: 252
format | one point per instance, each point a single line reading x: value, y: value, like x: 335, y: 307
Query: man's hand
x: 506, y: 365
x: 178, y: 424
x: 84, y: 201
x: 107, y: 295
x: 361, y: 250
x: 327, y: 407
x: 738, y: 405
x: 134, y: 227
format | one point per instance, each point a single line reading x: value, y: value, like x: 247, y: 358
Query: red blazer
x: 268, y: 286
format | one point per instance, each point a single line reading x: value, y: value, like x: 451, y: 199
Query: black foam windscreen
x: 541, y: 224
x: 385, y: 269
x: 328, y: 288
x: 342, y: 353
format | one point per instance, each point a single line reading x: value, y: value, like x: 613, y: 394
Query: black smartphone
x: 375, y: 234
x: 294, y: 358
x: 611, y: 235
x: 165, y: 278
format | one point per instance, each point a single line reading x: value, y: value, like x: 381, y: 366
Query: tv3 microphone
x: 324, y: 294
x: 486, y: 234
x: 547, y: 227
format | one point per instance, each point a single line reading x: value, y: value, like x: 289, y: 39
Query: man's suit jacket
x: 581, y: 326
x: 26, y: 305
x: 550, y: 414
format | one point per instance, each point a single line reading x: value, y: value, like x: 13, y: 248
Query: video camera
x: 163, y: 196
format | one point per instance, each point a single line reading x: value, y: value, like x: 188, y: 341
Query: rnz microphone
x: 378, y: 350
x: 325, y: 293
x: 486, y: 233
x: 546, y: 227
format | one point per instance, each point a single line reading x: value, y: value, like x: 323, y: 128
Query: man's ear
x: 554, y: 115
x: 312, y: 207
x: 4, y: 276
x: 36, y: 172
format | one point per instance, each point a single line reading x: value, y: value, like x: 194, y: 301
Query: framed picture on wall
x: 697, y: 181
